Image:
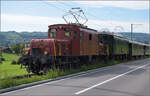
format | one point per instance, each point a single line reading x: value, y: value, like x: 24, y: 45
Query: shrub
x: 3, y: 59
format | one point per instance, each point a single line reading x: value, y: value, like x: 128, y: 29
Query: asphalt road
x: 126, y: 79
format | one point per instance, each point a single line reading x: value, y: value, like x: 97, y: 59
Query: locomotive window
x: 67, y: 32
x: 75, y: 35
x: 101, y: 38
x: 67, y: 29
x: 81, y: 36
x: 90, y: 36
x: 53, y: 33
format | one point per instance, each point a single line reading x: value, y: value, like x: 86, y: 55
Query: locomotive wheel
x: 28, y: 70
x: 36, y: 72
x: 45, y: 70
x: 94, y: 60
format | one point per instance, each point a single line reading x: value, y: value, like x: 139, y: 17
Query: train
x: 70, y: 45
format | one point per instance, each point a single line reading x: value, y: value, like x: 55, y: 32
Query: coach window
x: 53, y: 33
x: 67, y: 32
x: 90, y: 36
x: 75, y: 35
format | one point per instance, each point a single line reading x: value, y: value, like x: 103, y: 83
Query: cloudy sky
x: 102, y: 15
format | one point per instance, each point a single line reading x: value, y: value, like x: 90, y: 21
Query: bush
x: 3, y: 59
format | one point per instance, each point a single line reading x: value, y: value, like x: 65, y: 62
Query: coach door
x: 90, y: 39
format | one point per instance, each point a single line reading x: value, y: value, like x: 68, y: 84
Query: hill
x: 12, y: 37
x: 139, y: 37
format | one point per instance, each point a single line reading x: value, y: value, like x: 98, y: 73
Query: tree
x: 17, y: 49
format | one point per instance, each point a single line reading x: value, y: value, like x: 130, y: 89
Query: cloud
x: 137, y: 5
x: 38, y: 23
x: 116, y: 26
x: 27, y: 23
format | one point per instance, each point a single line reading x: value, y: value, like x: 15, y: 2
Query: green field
x: 7, y: 69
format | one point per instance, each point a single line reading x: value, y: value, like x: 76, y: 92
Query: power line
x: 65, y: 4
x: 52, y: 5
x: 86, y: 12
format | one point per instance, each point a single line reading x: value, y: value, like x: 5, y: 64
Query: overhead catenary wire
x: 66, y: 5
x: 63, y: 5
x: 69, y: 5
x: 88, y: 13
x: 52, y: 5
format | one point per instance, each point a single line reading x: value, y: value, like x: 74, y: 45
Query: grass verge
x: 7, y: 69
x: 9, y: 82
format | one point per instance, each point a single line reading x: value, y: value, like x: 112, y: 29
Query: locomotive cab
x: 62, y: 31
x: 66, y: 32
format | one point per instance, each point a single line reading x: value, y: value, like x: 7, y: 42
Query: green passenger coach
x: 116, y: 46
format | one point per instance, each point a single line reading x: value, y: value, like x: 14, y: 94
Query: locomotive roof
x: 76, y: 25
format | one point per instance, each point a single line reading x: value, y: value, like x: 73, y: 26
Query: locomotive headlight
x: 26, y: 52
x: 45, y: 52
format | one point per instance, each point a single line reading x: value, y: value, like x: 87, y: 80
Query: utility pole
x: 0, y: 53
x: 132, y: 30
x: 0, y: 57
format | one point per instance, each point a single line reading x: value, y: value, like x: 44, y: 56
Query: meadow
x: 9, y: 70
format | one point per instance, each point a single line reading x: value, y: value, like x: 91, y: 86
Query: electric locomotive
x: 66, y: 45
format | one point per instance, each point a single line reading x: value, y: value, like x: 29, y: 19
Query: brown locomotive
x: 66, y: 45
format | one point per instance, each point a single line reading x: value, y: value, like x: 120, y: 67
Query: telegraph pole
x: 132, y: 30
x: 0, y: 57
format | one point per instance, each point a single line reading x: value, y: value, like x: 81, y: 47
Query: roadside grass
x: 9, y: 82
x: 7, y: 69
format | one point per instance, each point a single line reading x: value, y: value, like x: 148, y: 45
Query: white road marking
x: 89, y: 88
